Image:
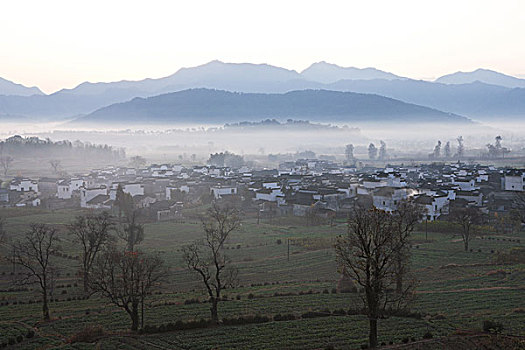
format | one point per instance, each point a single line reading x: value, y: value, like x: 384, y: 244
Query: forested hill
x: 34, y: 147
x: 216, y: 106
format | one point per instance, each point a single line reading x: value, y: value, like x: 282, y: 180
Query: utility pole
x: 288, y: 256
x: 426, y: 229
x: 14, y: 260
x: 142, y: 306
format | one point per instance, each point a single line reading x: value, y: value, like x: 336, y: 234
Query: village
x: 318, y: 190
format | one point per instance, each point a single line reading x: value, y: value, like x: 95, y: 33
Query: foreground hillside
x: 457, y: 290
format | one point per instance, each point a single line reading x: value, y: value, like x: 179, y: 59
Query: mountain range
x: 217, y: 106
x: 482, y: 75
x: 9, y: 88
x: 481, y: 94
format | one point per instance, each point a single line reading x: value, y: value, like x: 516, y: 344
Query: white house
x: 465, y: 184
x: 220, y: 191
x: 434, y: 205
x: 513, y: 181
x: 133, y: 189
x: 87, y: 194
x: 23, y: 185
x: 387, y: 198
x: 268, y: 194
x: 65, y: 188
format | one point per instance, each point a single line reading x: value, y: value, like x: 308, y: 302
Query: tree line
x: 19, y: 146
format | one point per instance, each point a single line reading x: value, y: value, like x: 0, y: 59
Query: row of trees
x: 226, y: 159
x: 122, y: 273
x: 18, y: 146
x: 373, y: 152
x: 495, y: 150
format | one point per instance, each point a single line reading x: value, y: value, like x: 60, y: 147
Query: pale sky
x: 59, y: 44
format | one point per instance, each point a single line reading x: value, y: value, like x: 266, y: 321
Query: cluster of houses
x: 301, y: 188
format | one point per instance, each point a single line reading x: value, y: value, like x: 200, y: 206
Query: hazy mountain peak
x: 482, y: 75
x: 242, y: 71
x: 325, y: 72
x: 8, y: 87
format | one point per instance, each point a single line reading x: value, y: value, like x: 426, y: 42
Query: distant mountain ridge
x: 9, y: 88
x: 216, y: 106
x: 486, y: 76
x: 324, y: 72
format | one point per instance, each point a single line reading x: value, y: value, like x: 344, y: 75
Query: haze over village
x: 245, y: 176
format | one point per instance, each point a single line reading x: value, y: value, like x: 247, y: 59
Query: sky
x: 59, y: 44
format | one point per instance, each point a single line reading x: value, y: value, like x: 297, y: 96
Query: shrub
x: 314, y: 314
x: 405, y: 340
x: 285, y: 317
x: 245, y: 320
x: 150, y: 329
x: 339, y: 312
x: 492, y: 326
x: 89, y: 334
x: 251, y: 296
x: 30, y: 334
x: 192, y: 301
x: 11, y: 341
x: 428, y: 335
x: 279, y: 241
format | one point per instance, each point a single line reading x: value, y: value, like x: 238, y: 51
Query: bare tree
x: 349, y: 152
x: 467, y: 219
x: 5, y: 163
x: 131, y: 231
x: 206, y: 257
x: 437, y: 151
x: 461, y: 147
x: 372, y: 151
x: 382, y: 150
x: 405, y: 218
x: 34, y: 253
x: 93, y: 232
x: 127, y: 279
x: 55, y: 164
x: 368, y: 253
x: 446, y: 150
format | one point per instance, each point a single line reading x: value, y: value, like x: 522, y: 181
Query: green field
x: 456, y: 290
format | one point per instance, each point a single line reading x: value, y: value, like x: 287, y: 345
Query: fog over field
x: 168, y: 142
